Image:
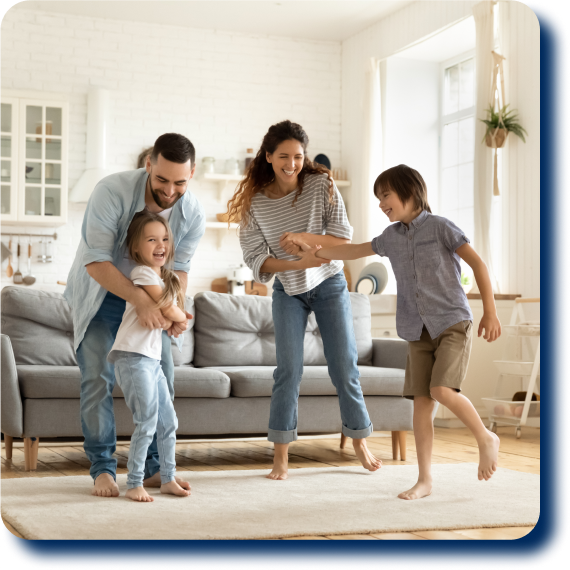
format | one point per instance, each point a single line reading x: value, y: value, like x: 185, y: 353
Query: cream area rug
x: 246, y: 505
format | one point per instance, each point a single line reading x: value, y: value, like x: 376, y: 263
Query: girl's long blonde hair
x: 260, y: 173
x: 172, y: 289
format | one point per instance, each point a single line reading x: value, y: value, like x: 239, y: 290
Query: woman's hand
x: 287, y: 243
x: 309, y: 258
x: 492, y: 327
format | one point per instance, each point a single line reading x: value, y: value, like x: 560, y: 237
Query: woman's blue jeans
x: 330, y: 302
x: 97, y: 383
x: 148, y: 398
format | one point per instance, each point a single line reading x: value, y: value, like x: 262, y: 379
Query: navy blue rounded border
x: 542, y: 533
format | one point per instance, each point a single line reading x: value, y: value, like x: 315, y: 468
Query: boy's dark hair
x: 173, y: 147
x: 406, y: 183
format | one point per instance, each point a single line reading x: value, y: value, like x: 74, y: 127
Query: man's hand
x: 178, y: 328
x: 289, y: 243
x: 492, y: 327
x: 149, y: 316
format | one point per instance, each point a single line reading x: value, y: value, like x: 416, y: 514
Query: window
x: 457, y: 136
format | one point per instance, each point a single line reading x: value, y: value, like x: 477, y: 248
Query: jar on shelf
x: 208, y: 163
x: 232, y: 166
x: 248, y: 158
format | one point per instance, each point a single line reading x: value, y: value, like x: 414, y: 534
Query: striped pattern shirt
x: 312, y: 213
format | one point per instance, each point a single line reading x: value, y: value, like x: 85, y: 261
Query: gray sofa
x: 223, y: 376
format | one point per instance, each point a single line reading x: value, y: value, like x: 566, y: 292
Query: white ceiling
x: 308, y: 19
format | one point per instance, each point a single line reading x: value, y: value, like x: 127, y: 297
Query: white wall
x: 220, y: 89
x: 520, y: 187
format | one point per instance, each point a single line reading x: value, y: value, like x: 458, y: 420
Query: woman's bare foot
x: 280, y: 462
x: 173, y: 488
x: 105, y: 486
x: 488, y: 456
x: 139, y: 494
x: 420, y: 490
x: 364, y: 455
x: 154, y: 481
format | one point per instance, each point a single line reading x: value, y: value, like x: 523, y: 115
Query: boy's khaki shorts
x: 439, y: 362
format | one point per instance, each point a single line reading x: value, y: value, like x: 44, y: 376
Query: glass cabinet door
x: 9, y: 168
x: 42, y: 170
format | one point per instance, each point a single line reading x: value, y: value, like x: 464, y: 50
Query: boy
x: 432, y: 311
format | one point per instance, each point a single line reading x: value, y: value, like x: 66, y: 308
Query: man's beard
x: 158, y: 200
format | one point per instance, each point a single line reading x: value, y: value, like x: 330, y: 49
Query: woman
x: 285, y: 196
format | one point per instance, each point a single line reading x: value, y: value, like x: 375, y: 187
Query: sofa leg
x: 31, y: 445
x: 8, y: 443
x: 395, y: 441
x: 343, y: 439
x: 402, y: 437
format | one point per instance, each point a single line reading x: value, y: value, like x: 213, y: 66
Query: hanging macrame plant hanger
x: 497, y: 137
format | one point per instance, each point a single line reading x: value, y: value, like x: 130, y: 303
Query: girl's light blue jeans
x: 330, y: 301
x: 147, y: 395
x: 97, y: 383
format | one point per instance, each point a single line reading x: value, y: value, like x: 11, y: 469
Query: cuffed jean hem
x: 357, y: 433
x: 104, y: 471
x: 277, y: 436
x: 134, y: 485
x: 164, y: 479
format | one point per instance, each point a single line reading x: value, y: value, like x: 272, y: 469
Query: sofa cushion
x: 238, y: 331
x: 40, y: 328
x: 63, y: 382
x: 257, y: 381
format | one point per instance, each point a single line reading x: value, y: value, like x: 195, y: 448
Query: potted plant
x: 466, y: 282
x: 500, y: 125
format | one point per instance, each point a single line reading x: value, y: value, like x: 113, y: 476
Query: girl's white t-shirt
x: 132, y: 336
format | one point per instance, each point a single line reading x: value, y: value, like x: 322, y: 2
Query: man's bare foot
x: 139, y: 494
x: 280, y: 463
x: 364, y: 455
x: 173, y: 488
x: 488, y: 456
x: 420, y: 490
x: 105, y: 486
x: 154, y: 481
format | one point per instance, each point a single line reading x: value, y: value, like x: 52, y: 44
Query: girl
x: 433, y: 313
x: 137, y: 351
x: 285, y: 196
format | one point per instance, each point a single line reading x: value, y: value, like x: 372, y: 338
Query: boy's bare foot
x: 154, y: 481
x: 420, y: 490
x: 488, y: 456
x: 364, y: 455
x: 173, y: 488
x: 105, y: 486
x: 280, y: 463
x: 139, y: 494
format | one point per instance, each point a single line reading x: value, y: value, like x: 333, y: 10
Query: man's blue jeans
x: 330, y: 302
x: 97, y: 383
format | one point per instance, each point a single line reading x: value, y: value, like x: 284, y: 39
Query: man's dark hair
x: 173, y: 147
x: 406, y: 183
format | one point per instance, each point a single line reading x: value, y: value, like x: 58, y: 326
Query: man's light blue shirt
x: 111, y: 207
x: 428, y: 273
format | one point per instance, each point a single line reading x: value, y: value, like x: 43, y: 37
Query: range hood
x: 96, y: 160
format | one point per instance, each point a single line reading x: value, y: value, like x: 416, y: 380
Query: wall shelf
x: 221, y: 229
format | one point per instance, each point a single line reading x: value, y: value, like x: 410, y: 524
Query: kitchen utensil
x: 9, y: 268
x: 18, y: 275
x: 29, y: 279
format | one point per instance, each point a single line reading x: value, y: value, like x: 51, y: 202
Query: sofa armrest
x: 389, y: 352
x: 12, y: 409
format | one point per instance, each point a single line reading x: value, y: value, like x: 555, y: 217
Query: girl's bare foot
x: 280, y: 463
x: 154, y: 481
x: 420, y: 490
x: 105, y: 486
x: 173, y: 488
x: 488, y: 456
x: 364, y: 455
x: 139, y: 494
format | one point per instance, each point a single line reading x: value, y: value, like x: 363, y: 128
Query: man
x: 98, y: 286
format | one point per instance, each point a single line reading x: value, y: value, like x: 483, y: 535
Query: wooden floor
x: 450, y: 446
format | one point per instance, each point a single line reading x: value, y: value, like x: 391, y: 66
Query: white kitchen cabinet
x: 34, y: 161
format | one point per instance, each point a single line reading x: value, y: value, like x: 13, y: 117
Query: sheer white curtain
x: 370, y: 216
x: 483, y: 159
